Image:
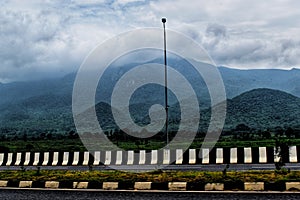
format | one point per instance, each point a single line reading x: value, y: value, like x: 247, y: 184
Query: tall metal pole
x: 164, y: 20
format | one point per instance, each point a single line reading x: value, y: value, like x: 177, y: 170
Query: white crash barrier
x: 233, y: 155
x: 86, y: 158
x: 96, y: 158
x: 262, y: 155
x: 130, y: 159
x: 55, y: 158
x: 75, y: 158
x: 247, y: 155
x: 9, y: 159
x: 18, y: 159
x: 142, y: 160
x: 192, y: 156
x: 154, y: 157
x: 36, y: 159
x: 293, y: 154
x: 46, y: 158
x: 205, y: 156
x: 107, y: 158
x: 179, y: 156
x: 219, y: 155
x: 65, y: 158
x: 27, y: 159
x: 119, y: 158
x: 166, y: 156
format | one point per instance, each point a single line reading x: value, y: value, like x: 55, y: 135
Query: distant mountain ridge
x: 46, y: 104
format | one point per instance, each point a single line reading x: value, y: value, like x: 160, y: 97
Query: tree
x: 49, y: 136
x: 242, y: 127
x: 266, y: 134
x: 25, y: 137
x: 42, y: 135
x: 289, y: 132
x: 282, y: 151
x: 72, y: 135
x: 279, y: 131
x: 29, y: 147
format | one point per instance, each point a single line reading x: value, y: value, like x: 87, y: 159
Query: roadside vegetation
x: 241, y: 136
x: 155, y: 176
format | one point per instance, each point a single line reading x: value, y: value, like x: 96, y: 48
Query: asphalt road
x: 210, y: 167
x: 129, y: 195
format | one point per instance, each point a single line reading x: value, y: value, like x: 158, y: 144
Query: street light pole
x: 164, y: 20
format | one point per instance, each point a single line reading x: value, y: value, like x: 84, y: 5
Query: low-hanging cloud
x: 51, y: 38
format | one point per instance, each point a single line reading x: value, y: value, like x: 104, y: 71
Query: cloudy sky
x: 48, y: 38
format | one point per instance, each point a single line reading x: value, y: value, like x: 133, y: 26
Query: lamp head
x: 164, y: 20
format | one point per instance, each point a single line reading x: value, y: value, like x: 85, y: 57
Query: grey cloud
x: 216, y: 30
x: 53, y: 37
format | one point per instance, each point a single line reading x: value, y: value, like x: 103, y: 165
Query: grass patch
x: 155, y: 176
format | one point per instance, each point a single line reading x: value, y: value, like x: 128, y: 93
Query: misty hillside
x: 259, y: 109
x: 46, y: 105
x: 238, y: 81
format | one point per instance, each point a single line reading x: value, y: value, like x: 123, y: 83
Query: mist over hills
x: 46, y: 105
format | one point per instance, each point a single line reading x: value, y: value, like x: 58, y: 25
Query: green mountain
x: 258, y: 109
x: 263, y: 108
x: 45, y: 106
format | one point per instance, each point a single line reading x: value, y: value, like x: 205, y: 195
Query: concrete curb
x: 177, y: 186
x: 142, y: 185
x: 147, y: 186
x: 214, y: 187
x: 254, y: 186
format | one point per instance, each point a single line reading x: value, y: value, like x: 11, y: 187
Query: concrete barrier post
x: 27, y: 159
x: 86, y: 158
x: 177, y: 186
x: 233, y: 155
x: 130, y: 159
x: 36, y: 159
x: 80, y: 185
x: 247, y: 155
x: 292, y: 185
x: 65, y: 158
x: 142, y: 185
x: 119, y: 157
x: 3, y: 183
x: 18, y: 159
x: 262, y: 155
x: 254, y: 186
x: 166, y: 156
x: 293, y: 154
x: 9, y: 159
x: 46, y: 158
x: 96, y: 158
x: 192, y: 156
x: 219, y: 156
x: 205, y: 156
x: 55, y: 158
x: 25, y: 184
x: 154, y: 157
x: 142, y: 160
x: 107, y: 158
x: 1, y: 158
x: 110, y: 185
x: 214, y: 187
x: 179, y: 156
x: 75, y: 158
x: 52, y: 184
